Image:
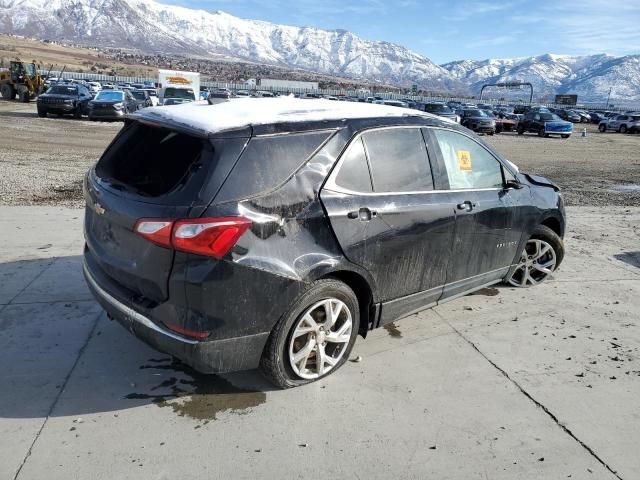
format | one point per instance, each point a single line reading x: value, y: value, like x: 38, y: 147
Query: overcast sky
x: 460, y: 29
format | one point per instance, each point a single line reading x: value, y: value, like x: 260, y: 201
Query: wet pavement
x: 506, y: 383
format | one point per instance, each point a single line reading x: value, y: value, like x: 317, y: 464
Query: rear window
x: 269, y: 161
x: 151, y: 161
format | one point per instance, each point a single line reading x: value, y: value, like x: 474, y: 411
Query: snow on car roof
x: 243, y: 112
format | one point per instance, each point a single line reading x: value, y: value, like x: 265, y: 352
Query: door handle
x: 467, y: 206
x: 364, y: 214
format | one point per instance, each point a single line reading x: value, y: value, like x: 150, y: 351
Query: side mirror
x: 513, y: 184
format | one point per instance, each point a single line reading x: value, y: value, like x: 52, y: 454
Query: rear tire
x: 278, y: 363
x: 602, y: 128
x: 520, y: 130
x: 24, y: 96
x: 536, y: 264
x: 565, y: 136
x: 77, y: 113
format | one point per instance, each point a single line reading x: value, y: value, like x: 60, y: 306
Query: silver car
x: 621, y: 123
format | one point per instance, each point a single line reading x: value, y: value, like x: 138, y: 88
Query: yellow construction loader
x: 22, y: 80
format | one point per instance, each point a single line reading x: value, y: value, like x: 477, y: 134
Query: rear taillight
x: 212, y: 237
x: 155, y: 230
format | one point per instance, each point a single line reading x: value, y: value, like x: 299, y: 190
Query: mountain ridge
x: 150, y: 26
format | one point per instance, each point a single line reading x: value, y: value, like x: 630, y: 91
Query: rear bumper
x: 214, y: 356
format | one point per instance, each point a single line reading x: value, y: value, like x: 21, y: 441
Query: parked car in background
x: 153, y: 96
x: 176, y: 96
x: 568, y: 115
x: 243, y: 93
x: 64, y: 99
x: 211, y: 244
x: 439, y: 109
x: 94, y: 87
x: 544, y: 124
x: 621, y: 123
x: 391, y: 103
x: 112, y: 105
x: 142, y: 98
x: 505, y: 122
x: 477, y: 120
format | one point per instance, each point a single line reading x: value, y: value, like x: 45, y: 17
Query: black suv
x: 271, y: 232
x: 478, y: 120
x: 64, y: 99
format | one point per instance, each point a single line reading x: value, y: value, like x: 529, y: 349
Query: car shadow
x: 62, y: 356
x: 35, y: 115
x: 631, y: 258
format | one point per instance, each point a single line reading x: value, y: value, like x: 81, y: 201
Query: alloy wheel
x: 320, y: 338
x: 537, y: 262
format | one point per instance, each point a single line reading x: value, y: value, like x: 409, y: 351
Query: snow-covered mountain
x: 152, y: 27
x: 588, y: 76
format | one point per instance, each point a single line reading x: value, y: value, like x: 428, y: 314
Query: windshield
x: 179, y: 93
x: 437, y: 108
x: 30, y: 69
x: 108, y: 96
x: 636, y: 118
x: 152, y: 93
x: 549, y: 117
x: 475, y: 113
x: 63, y: 90
x: 139, y: 95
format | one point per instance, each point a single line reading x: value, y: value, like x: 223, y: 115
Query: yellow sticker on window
x: 464, y: 160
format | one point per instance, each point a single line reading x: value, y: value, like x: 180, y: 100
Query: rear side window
x: 150, y: 161
x: 269, y: 161
x: 354, y: 172
x: 398, y: 159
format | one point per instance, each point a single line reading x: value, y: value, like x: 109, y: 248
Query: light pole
x: 608, y: 97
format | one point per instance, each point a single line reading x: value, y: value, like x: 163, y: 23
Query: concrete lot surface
x: 540, y: 383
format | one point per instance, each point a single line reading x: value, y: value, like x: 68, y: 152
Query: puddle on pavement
x: 393, y: 330
x: 198, y: 396
x: 489, y: 292
x: 625, y: 188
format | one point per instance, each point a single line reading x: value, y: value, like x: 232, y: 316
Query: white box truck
x: 175, y: 87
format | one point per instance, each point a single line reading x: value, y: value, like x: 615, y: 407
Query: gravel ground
x: 43, y: 160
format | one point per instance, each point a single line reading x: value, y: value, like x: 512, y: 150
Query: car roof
x: 239, y: 113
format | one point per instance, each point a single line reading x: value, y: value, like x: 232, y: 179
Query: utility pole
x: 608, y: 97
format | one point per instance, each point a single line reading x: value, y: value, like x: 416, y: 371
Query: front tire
x: 602, y: 128
x: 565, y: 136
x: 42, y: 113
x: 541, y: 256
x: 520, y: 130
x: 623, y: 129
x: 314, y: 338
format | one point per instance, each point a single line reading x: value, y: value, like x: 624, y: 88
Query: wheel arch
x: 554, y: 224
x: 364, y: 293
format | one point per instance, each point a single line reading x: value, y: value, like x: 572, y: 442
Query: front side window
x: 398, y: 160
x: 468, y: 164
